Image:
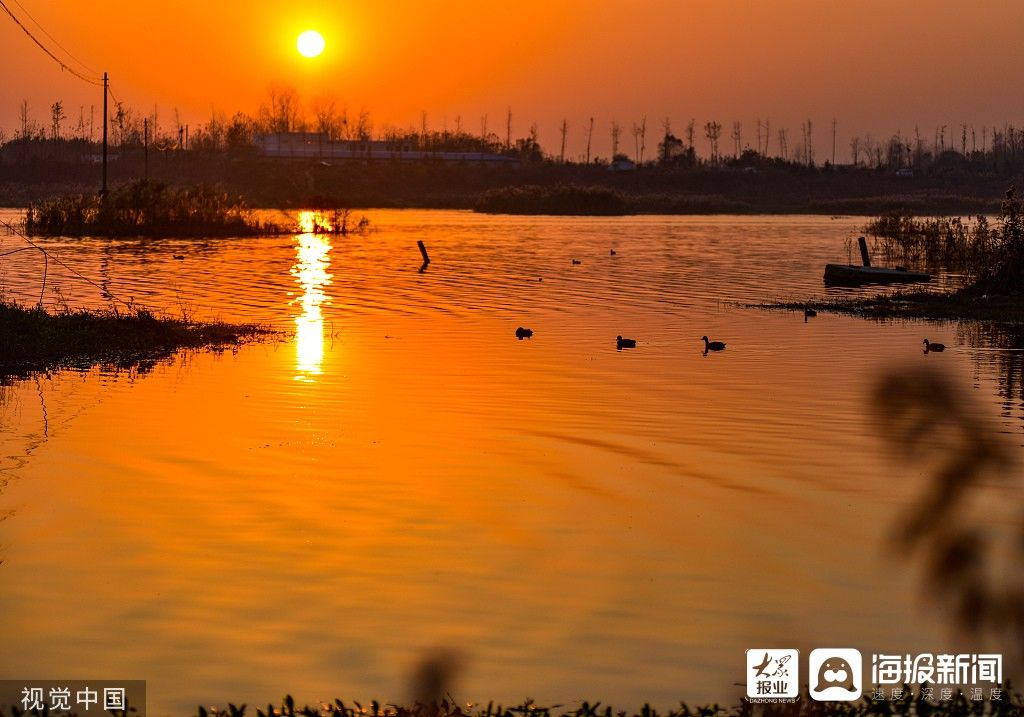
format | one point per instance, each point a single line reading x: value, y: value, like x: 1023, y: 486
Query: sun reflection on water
x: 313, y: 259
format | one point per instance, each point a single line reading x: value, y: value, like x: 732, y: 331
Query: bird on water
x: 522, y: 333
x: 712, y: 345
x: 621, y: 343
x: 933, y: 347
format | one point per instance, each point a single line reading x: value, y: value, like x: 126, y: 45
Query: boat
x: 852, y: 275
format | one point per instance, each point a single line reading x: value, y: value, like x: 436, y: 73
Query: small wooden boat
x: 852, y: 275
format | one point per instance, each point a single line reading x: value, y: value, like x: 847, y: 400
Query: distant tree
x: 855, y: 150
x: 713, y: 130
x: 280, y: 113
x: 508, y: 129
x: 326, y: 117
x: 56, y: 117
x: 590, y: 136
x: 690, y: 131
x: 783, y: 144
x: 616, y: 130
x: 767, y: 137
x: 23, y: 116
x: 643, y: 137
x: 564, y: 129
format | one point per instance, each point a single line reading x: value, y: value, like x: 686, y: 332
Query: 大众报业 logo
x: 773, y: 674
x: 835, y: 674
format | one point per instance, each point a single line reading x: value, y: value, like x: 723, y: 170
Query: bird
x: 613, y: 252
x: 576, y: 261
x: 522, y: 333
x: 929, y: 346
x: 179, y: 257
x: 712, y: 345
x: 621, y: 343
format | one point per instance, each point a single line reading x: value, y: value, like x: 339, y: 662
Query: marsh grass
x: 910, y: 705
x: 149, y: 209
x: 33, y: 339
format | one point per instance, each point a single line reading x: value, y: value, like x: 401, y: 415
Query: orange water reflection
x: 313, y: 259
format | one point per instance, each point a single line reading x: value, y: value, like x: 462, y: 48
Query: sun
x: 310, y: 43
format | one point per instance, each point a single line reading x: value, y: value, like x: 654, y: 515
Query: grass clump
x: 33, y: 339
x: 562, y: 199
x: 144, y: 208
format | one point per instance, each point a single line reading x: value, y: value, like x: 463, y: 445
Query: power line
x: 63, y: 65
x: 53, y: 39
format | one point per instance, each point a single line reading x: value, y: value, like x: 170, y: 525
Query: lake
x: 398, y: 474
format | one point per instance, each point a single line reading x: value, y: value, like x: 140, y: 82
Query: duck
x: 929, y: 346
x: 522, y: 333
x: 712, y: 345
x: 613, y: 252
x: 179, y: 257
x: 576, y: 261
x: 621, y: 343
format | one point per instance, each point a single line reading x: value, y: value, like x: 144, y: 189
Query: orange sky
x: 874, y: 66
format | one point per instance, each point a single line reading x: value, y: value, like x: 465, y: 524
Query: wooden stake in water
x: 864, y: 251
x: 423, y: 251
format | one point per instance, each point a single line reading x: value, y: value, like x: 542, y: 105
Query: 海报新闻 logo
x: 835, y: 674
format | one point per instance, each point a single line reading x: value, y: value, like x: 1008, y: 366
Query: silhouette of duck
x: 576, y: 261
x: 179, y: 257
x: 522, y: 333
x: 613, y: 252
x: 930, y: 347
x: 712, y: 345
x: 621, y: 343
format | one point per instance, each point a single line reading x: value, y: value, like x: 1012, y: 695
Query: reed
x: 150, y: 209
x: 562, y: 199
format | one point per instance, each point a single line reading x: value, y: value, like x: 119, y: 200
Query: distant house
x: 622, y: 164
x: 317, y: 145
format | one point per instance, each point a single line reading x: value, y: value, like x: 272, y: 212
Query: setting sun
x: 310, y: 43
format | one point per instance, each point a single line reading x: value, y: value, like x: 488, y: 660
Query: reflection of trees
x: 1005, y: 362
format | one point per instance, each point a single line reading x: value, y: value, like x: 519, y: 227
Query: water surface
x: 400, y: 473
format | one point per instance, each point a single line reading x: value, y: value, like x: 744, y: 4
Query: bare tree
x: 834, y: 123
x: 508, y: 129
x: 564, y: 130
x: 23, y: 116
x: 855, y: 150
x: 767, y: 136
x: 281, y: 111
x: 616, y: 130
x: 590, y: 136
x: 690, y: 131
x: 326, y: 115
x: 783, y: 144
x: 56, y: 117
x: 713, y: 130
x: 636, y: 142
x: 483, y: 127
x: 737, y: 138
x: 643, y: 137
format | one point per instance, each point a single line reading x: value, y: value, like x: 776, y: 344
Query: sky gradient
x: 875, y: 67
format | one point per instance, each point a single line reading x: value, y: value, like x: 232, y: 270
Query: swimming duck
x: 522, y: 333
x: 929, y: 346
x: 179, y: 257
x: 712, y: 345
x: 621, y: 343
x: 576, y: 261
x: 613, y: 252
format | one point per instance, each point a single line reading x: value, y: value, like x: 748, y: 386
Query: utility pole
x: 103, y: 191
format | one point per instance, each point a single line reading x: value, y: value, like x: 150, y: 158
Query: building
x: 317, y: 145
